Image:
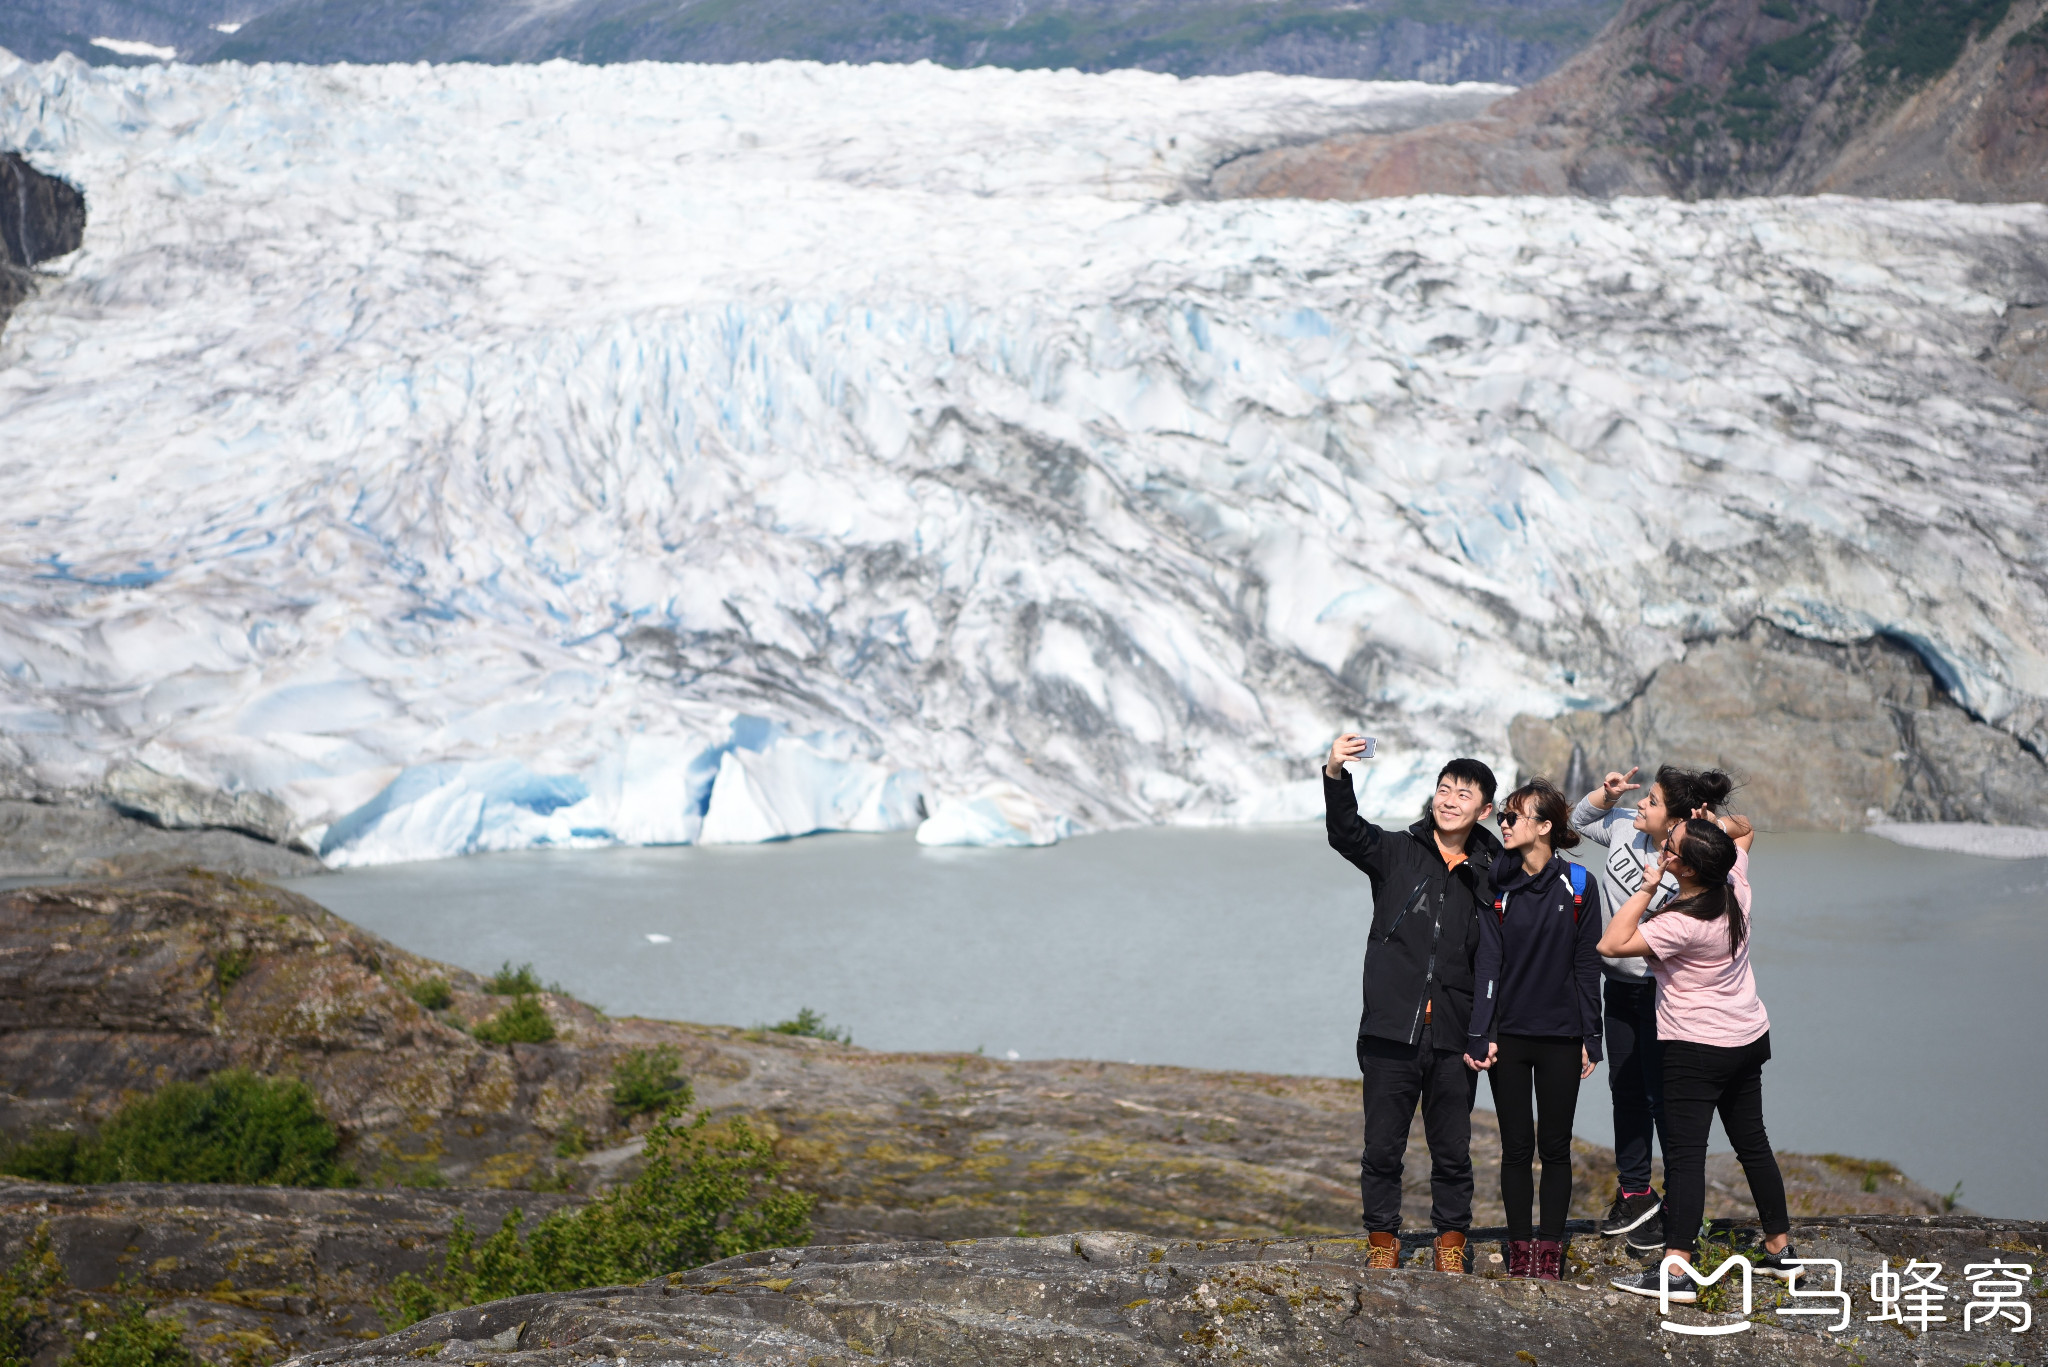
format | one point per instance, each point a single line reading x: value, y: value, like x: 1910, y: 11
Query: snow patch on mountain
x: 477, y: 457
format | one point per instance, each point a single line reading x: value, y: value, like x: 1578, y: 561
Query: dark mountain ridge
x: 1514, y: 41
x: 1701, y: 98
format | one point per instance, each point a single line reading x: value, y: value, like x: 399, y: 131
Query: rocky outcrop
x: 1126, y: 1299
x: 61, y: 840
x: 1728, y: 98
x: 1822, y: 737
x: 180, y: 805
x: 41, y: 217
x: 111, y: 989
x: 255, y: 1274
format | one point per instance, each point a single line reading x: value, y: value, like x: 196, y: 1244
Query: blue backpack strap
x: 1577, y: 873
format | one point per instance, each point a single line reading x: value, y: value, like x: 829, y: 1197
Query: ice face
x: 480, y: 457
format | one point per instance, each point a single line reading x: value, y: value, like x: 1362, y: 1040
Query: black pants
x: 1548, y: 1066
x: 1700, y: 1079
x: 1397, y: 1076
x: 1635, y: 1078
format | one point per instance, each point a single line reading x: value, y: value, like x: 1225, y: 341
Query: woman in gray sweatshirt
x: 1631, y: 837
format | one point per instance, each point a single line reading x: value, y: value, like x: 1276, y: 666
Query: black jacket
x: 1425, y: 920
x: 1539, y: 963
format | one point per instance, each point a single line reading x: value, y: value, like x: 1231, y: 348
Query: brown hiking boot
x: 1450, y: 1251
x: 1386, y: 1250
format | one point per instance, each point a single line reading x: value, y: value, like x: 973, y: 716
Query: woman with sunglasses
x: 1716, y: 1038
x: 1535, y: 1026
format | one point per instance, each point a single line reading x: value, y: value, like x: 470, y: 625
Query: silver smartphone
x: 1370, y: 745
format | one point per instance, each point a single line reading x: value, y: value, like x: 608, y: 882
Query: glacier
x: 481, y: 457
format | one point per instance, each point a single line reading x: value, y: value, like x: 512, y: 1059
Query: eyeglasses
x: 1508, y: 819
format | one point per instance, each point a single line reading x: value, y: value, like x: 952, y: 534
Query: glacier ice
x: 480, y: 457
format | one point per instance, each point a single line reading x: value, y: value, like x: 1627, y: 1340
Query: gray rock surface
x: 1125, y: 1299
x: 1821, y: 737
x: 51, y: 840
x: 180, y: 805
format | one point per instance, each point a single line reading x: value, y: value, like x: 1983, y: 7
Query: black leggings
x: 1700, y: 1079
x: 1548, y: 1066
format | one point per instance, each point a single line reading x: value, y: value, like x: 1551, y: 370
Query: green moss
x: 230, y: 966
x: 26, y: 1286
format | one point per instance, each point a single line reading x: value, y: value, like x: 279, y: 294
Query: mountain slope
x: 1732, y: 97
x: 1515, y: 41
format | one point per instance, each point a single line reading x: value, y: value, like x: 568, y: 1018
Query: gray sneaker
x: 1650, y: 1282
x: 1778, y: 1264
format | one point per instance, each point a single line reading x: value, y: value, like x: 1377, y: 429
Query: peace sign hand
x: 1613, y: 786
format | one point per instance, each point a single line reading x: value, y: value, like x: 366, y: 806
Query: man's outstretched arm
x: 1351, y: 835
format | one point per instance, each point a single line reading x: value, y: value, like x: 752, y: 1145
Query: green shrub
x: 513, y: 982
x: 433, y: 993
x: 708, y: 1191
x: 649, y: 1080
x: 234, y: 1127
x: 810, y: 1024
x: 25, y: 1288
x: 523, y: 1022
x: 128, y: 1337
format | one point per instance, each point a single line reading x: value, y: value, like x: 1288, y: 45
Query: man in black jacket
x: 1429, y: 885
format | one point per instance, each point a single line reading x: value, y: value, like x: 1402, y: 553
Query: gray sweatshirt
x: 1620, y: 873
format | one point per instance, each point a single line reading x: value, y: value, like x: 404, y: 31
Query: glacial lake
x: 1903, y: 985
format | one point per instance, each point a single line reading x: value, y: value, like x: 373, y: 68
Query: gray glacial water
x: 1899, y: 982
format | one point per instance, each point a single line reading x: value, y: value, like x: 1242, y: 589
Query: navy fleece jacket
x: 1536, y: 973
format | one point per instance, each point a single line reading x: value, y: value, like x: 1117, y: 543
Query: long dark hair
x: 1539, y: 800
x: 1707, y: 850
x: 1687, y: 790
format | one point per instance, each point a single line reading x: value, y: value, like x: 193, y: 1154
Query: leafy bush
x: 25, y: 1288
x: 523, y: 1022
x: 810, y: 1024
x: 128, y: 1337
x: 649, y: 1080
x: 234, y: 1127
x: 513, y: 982
x: 433, y: 993
x: 708, y: 1191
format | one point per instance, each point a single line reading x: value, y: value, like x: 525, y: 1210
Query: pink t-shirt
x: 1705, y: 994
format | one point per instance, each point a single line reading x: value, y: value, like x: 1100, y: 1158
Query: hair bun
x: 1714, y: 787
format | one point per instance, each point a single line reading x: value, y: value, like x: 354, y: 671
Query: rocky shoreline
x: 1234, y: 1182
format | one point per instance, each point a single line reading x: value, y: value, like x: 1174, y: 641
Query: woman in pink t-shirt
x: 1716, y: 1037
